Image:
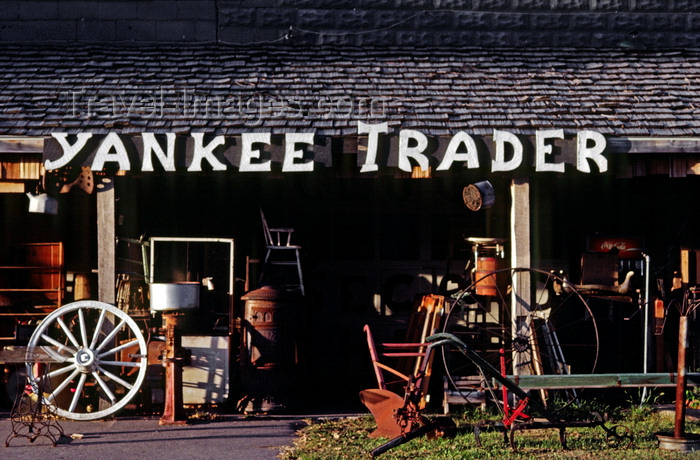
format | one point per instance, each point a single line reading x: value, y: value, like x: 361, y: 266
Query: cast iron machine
x: 173, y: 300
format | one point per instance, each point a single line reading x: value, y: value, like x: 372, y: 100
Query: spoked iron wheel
x: 534, y: 319
x: 99, y: 360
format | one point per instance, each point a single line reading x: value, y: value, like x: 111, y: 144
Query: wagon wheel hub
x: 86, y: 360
x: 521, y: 344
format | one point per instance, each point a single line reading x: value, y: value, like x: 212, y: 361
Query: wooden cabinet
x: 32, y: 283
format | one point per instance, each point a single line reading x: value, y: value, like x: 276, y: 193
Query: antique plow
x: 515, y: 419
x: 400, y: 418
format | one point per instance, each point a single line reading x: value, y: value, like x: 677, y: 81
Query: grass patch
x: 348, y: 438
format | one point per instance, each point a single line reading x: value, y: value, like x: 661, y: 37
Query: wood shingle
x: 227, y: 90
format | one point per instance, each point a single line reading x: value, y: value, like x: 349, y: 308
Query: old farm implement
x: 401, y: 418
x: 397, y: 416
x: 515, y: 419
x: 528, y: 340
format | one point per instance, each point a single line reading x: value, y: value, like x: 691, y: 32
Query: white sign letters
x: 298, y: 152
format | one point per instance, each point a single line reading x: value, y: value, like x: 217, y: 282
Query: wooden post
x: 679, y: 426
x: 520, y: 257
x: 106, y: 261
x: 106, y: 247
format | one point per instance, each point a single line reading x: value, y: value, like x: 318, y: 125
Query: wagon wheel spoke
x: 49, y: 376
x: 62, y: 386
x: 60, y: 347
x: 83, y: 330
x: 110, y: 337
x: 104, y: 387
x: 121, y: 347
x: 112, y: 376
x: 98, y: 328
x: 78, y: 391
x: 67, y: 332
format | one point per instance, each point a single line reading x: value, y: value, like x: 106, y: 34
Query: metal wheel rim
x: 469, y: 291
x: 87, y: 359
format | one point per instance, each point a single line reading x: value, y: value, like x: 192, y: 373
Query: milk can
x: 488, y: 257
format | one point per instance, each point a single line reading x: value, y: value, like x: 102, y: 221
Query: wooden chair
x: 279, y: 240
x: 412, y: 353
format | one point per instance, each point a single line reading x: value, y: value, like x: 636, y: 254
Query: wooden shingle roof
x: 226, y: 90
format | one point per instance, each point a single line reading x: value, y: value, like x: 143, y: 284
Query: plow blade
x: 383, y: 405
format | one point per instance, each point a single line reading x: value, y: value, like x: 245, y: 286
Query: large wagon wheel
x: 539, y: 320
x: 93, y: 359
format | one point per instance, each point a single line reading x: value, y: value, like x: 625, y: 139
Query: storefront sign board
x: 295, y: 152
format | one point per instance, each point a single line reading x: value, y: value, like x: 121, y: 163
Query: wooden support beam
x: 106, y: 247
x: 41, y: 354
x: 520, y: 222
x: 21, y: 145
x: 520, y: 257
x: 667, y: 145
x: 106, y: 263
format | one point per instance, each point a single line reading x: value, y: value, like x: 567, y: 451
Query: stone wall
x: 462, y: 23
